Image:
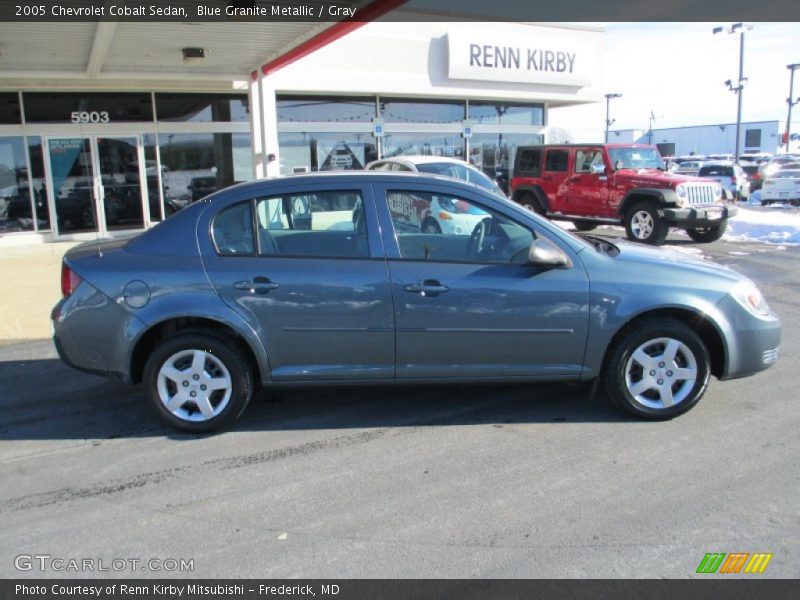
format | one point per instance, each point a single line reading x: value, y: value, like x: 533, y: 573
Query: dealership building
x: 108, y: 128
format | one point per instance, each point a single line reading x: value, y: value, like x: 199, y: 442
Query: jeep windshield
x: 635, y: 158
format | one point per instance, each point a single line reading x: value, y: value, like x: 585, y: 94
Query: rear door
x: 305, y: 267
x: 467, y: 305
x: 554, y: 176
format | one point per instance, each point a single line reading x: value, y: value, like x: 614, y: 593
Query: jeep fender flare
x: 663, y: 197
x: 537, y: 193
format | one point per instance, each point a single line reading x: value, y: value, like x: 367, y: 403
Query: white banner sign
x: 547, y: 59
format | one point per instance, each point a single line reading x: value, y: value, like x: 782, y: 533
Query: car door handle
x: 259, y: 285
x: 429, y: 287
x: 547, y: 178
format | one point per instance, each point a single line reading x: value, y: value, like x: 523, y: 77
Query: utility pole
x: 791, y: 102
x: 650, y: 130
x: 737, y: 89
x: 609, y: 121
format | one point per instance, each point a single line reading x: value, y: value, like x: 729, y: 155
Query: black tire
x: 658, y: 230
x: 617, y: 363
x: 584, y: 226
x: 706, y: 235
x: 533, y: 203
x: 430, y: 225
x: 765, y: 202
x: 222, y: 349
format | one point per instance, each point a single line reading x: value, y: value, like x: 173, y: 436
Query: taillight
x: 70, y: 280
x: 733, y: 180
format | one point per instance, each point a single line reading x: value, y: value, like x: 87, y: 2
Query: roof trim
x: 372, y: 11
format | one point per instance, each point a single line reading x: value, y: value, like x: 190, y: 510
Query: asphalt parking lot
x: 451, y: 481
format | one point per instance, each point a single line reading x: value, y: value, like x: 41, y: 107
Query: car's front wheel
x: 658, y: 370
x: 198, y: 382
x: 706, y: 235
x: 644, y: 224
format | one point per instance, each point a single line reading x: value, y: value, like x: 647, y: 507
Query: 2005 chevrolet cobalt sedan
x: 332, y: 279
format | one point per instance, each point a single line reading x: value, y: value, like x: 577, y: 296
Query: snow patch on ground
x: 769, y: 227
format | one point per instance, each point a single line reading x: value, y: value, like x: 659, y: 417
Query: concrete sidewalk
x: 30, y: 286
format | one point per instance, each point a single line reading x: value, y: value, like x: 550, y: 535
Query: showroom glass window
x: 203, y: 108
x: 9, y: 109
x: 300, y: 152
x: 194, y: 165
x: 494, y: 153
x: 428, y: 144
x: 403, y: 110
x: 349, y: 109
x: 16, y: 213
x: 94, y: 107
x: 39, y: 183
x: 505, y: 113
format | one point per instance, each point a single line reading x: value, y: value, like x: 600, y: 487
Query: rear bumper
x: 706, y: 216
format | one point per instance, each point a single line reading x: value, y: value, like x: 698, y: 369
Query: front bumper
x: 705, y: 216
x: 753, y: 344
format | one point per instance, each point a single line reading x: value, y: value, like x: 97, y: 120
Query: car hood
x: 645, y: 177
x: 637, y: 256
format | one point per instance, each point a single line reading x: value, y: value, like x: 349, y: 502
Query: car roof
x: 422, y: 159
x: 349, y: 176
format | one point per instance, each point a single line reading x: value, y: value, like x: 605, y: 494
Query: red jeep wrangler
x: 593, y: 184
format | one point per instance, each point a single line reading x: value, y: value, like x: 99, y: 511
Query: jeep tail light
x: 733, y: 180
x: 70, y: 280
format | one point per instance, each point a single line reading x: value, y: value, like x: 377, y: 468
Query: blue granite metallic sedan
x: 332, y: 279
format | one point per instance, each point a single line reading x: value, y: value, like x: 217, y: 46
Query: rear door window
x: 529, y: 162
x: 556, y: 160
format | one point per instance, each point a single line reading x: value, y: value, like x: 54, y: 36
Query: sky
x: 677, y: 70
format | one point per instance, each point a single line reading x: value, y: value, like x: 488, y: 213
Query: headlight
x: 717, y: 192
x: 746, y: 293
x: 682, y: 193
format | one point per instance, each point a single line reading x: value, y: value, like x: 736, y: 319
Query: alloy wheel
x: 642, y: 224
x: 661, y: 373
x: 194, y: 385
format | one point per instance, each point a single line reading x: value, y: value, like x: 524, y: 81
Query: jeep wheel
x: 706, y: 235
x: 584, y: 226
x: 643, y: 224
x: 532, y: 203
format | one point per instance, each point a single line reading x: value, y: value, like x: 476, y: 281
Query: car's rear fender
x: 196, y: 309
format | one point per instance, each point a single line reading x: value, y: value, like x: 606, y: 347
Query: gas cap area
x: 136, y: 294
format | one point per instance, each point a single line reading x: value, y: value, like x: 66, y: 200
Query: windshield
x: 635, y: 158
x: 462, y: 172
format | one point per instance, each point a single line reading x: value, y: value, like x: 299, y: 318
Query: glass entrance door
x: 97, y: 184
x: 73, y: 183
x: 120, y: 182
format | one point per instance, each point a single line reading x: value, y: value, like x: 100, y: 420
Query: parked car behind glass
x: 321, y: 279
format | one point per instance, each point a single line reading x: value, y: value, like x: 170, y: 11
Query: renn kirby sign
x: 568, y: 61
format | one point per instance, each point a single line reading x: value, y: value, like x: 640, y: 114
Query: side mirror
x: 598, y: 169
x: 544, y: 253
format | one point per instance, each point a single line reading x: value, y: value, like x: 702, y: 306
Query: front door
x: 97, y: 185
x: 466, y: 303
x: 588, y: 191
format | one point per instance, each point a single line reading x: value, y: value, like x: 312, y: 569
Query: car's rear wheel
x: 658, y: 370
x: 706, y: 235
x: 644, y: 224
x: 198, y: 382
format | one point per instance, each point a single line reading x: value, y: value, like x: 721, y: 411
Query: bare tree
x: 557, y: 135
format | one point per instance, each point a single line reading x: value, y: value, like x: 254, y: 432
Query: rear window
x: 556, y: 160
x: 529, y: 162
